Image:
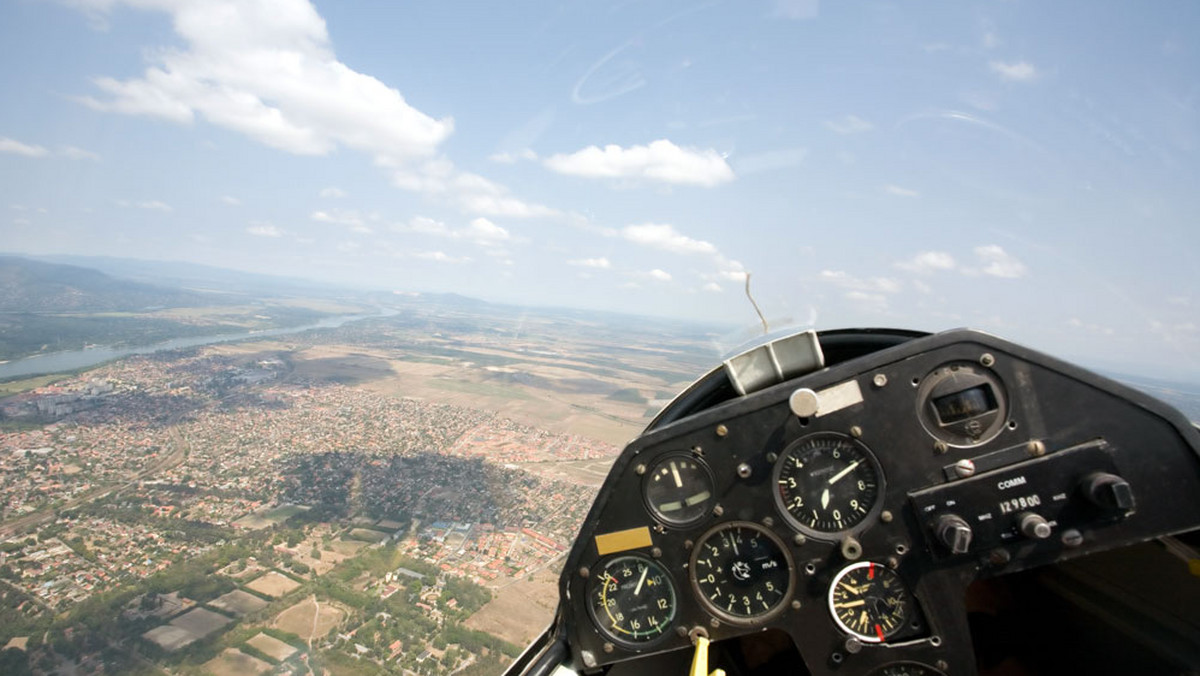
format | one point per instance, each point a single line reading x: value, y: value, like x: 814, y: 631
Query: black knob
x: 953, y: 532
x: 1108, y: 491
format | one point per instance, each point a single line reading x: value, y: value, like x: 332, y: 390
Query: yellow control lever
x: 700, y: 659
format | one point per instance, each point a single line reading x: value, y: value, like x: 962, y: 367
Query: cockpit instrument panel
x: 856, y: 529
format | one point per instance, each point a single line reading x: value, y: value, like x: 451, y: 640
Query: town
x: 291, y: 508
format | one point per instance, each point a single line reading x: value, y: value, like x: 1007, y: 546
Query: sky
x: 1022, y: 167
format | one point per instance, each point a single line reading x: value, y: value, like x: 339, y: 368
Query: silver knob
x: 1033, y: 526
x: 804, y: 403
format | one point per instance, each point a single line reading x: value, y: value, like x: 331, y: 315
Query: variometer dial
x: 869, y: 601
x: 678, y: 489
x: 828, y: 484
x: 631, y: 599
x: 742, y: 572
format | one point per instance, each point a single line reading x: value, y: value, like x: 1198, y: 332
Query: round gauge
x: 678, y: 489
x: 906, y: 669
x: 828, y: 484
x: 631, y: 599
x: 869, y: 601
x: 962, y: 404
x: 741, y: 572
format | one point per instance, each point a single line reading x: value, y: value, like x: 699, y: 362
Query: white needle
x: 849, y: 468
x: 824, y: 498
x: 675, y: 473
x: 638, y: 589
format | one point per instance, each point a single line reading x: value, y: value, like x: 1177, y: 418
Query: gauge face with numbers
x: 742, y: 572
x: 827, y: 484
x: 679, y: 489
x: 631, y: 599
x: 869, y: 601
x: 906, y: 669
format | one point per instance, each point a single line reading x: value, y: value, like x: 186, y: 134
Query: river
x: 70, y: 360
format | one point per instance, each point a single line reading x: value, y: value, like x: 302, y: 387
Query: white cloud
x: 480, y: 231
x: 874, y: 302
x: 873, y: 285
x: 264, y: 229
x: 928, y: 262
x: 770, y: 160
x: 999, y: 263
x: 8, y: 145
x: 660, y: 161
x: 440, y: 257
x: 346, y: 218
x: 513, y: 157
x: 900, y: 192
x: 266, y: 69
x: 74, y: 153
x: 150, y: 205
x: 598, y: 263
x: 665, y: 237
x: 499, y: 205
x: 713, y: 286
x: 1021, y: 71
x: 659, y: 275
x: 850, y: 124
x: 332, y: 192
x: 484, y: 232
x: 230, y: 200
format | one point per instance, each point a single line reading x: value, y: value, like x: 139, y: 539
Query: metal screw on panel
x: 999, y: 557
x: 893, y: 562
x: 588, y: 658
x: 744, y: 471
x: 640, y: 469
x: 799, y: 539
x: 656, y: 553
x: 987, y: 360
x: 940, y: 447
x: 853, y: 645
x: 772, y: 456
x: 886, y: 516
x: 584, y: 572
x: 714, y: 623
x: 856, y: 431
x: 768, y: 521
x: 880, y: 380
x: 722, y: 430
x: 660, y: 529
x: 718, y: 510
x: 1036, y: 448
x: 964, y: 468
x: 682, y: 631
x: 942, y: 665
x: 851, y: 548
x: 795, y: 604
x: 608, y: 647
x: 697, y: 451
x: 1072, y: 538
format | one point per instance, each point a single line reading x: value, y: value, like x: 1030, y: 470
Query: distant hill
x: 35, y: 286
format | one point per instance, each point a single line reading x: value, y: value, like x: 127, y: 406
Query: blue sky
x: 1023, y: 167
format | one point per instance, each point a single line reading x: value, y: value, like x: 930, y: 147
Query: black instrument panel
x: 857, y: 530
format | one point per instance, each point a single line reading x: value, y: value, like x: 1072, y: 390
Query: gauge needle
x: 675, y: 473
x: 824, y: 498
x: 849, y: 468
x: 850, y: 604
x: 638, y: 589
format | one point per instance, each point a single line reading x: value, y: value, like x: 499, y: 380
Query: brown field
x: 581, y: 472
x: 521, y: 610
x: 346, y: 548
x: 272, y: 647
x: 233, y: 662
x: 299, y: 619
x: 273, y: 584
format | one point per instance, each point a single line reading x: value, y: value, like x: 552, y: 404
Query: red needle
x: 879, y: 632
x: 871, y: 572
